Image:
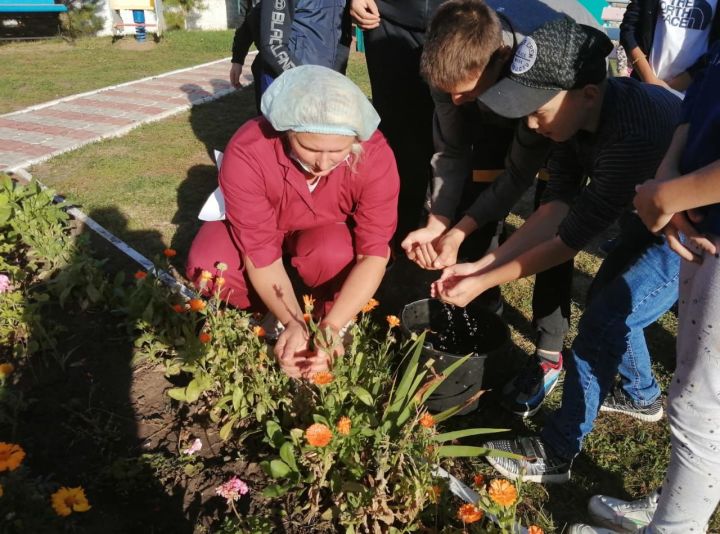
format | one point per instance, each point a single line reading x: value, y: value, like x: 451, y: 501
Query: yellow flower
x: 469, y: 513
x: 370, y: 306
x: 427, y: 420
x: 11, y: 456
x: 322, y: 378
x: 219, y: 281
x: 503, y: 492
x: 344, y: 425
x: 309, y: 302
x: 6, y: 369
x: 205, y: 275
x: 393, y: 321
x: 534, y: 529
x: 68, y: 500
x: 318, y: 435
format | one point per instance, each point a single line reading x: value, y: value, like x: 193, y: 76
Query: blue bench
x: 31, y: 6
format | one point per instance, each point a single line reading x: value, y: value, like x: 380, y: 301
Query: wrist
x: 437, y: 223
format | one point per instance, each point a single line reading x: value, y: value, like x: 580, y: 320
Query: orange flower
x: 534, y: 529
x: 434, y: 493
x: 318, y: 435
x: 479, y: 480
x: 205, y: 275
x: 259, y: 331
x: 469, y: 513
x: 344, y: 425
x: 140, y: 275
x: 197, y: 304
x: 427, y: 420
x: 219, y: 281
x: 6, y: 369
x: 309, y: 302
x: 307, y: 318
x: 170, y: 252
x: 393, y: 321
x: 370, y: 306
x: 179, y: 308
x: 11, y: 455
x: 204, y: 337
x: 322, y: 378
x: 68, y: 500
x: 503, y: 492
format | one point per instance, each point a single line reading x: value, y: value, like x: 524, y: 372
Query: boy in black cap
x: 614, y: 132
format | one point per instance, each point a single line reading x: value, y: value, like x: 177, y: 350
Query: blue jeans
x: 635, y: 285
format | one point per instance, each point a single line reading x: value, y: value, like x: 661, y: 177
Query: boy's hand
x: 682, y: 223
x: 418, y: 245
x: 447, y: 247
x: 458, y: 284
x: 365, y: 13
x: 647, y: 207
x: 235, y: 73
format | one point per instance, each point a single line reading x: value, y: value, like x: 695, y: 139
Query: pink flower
x: 232, y: 490
x: 4, y: 283
x: 194, y: 447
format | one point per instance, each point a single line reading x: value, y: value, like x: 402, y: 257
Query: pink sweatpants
x: 321, y: 256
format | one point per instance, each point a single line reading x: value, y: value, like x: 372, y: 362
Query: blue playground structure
x: 29, y: 19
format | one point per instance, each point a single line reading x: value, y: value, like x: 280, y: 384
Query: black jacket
x: 638, y: 29
x: 413, y: 14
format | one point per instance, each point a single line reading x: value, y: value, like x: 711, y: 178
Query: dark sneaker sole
x: 532, y: 411
x: 645, y: 417
x: 557, y: 478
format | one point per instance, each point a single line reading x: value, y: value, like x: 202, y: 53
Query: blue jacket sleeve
x: 276, y: 18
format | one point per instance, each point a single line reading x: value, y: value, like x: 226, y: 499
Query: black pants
x: 403, y: 101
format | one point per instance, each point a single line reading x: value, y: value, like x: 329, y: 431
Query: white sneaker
x: 623, y: 516
x: 580, y: 528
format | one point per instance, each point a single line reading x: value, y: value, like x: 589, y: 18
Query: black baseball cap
x: 558, y: 56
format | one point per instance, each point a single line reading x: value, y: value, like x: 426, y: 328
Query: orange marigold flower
x: 469, y: 513
x: 11, y: 456
x: 393, y: 321
x: 479, y: 480
x: 344, y: 425
x: 434, y: 493
x: 503, y: 492
x: 169, y: 252
x: 204, y: 337
x: 318, y: 435
x: 179, y: 308
x: 534, y: 529
x: 140, y: 275
x: 370, y: 306
x: 6, y: 369
x: 307, y: 318
x: 197, y: 304
x: 309, y: 302
x: 219, y: 281
x: 322, y: 378
x: 427, y: 420
x: 68, y: 500
x: 259, y: 331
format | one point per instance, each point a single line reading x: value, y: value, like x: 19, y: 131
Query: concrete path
x: 45, y: 130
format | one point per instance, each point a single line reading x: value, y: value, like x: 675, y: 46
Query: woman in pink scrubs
x: 312, y: 180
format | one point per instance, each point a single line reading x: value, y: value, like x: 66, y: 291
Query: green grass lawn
x: 35, y: 72
x: 148, y: 186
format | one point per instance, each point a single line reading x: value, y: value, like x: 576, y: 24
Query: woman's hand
x: 291, y: 349
x: 458, y: 284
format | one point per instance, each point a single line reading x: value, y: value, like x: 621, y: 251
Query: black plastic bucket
x: 445, y: 345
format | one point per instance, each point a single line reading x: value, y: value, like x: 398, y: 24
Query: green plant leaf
x: 467, y: 451
x: 275, y: 491
x: 450, y: 369
x: 363, y: 395
x: 274, y: 433
x: 237, y: 397
x: 279, y: 469
x: 449, y: 436
x: 287, y: 453
x: 177, y: 394
x: 193, y: 390
x: 226, y: 430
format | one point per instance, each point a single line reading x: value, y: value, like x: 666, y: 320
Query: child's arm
x: 276, y: 20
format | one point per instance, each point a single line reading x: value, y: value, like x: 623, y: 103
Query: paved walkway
x: 42, y: 131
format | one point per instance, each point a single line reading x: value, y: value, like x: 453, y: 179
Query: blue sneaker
x: 525, y: 393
